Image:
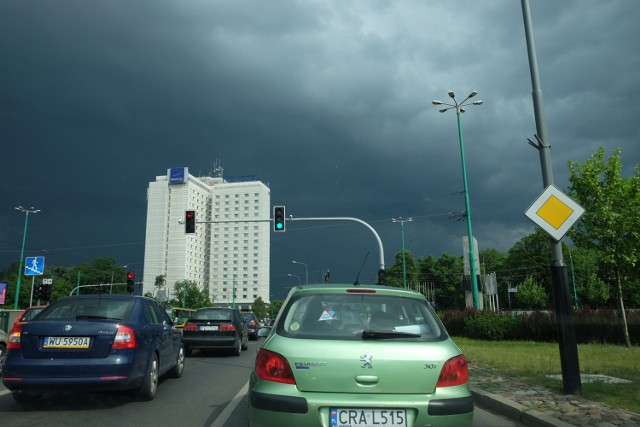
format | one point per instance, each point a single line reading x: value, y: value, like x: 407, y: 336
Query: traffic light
x: 45, y: 292
x: 130, y: 281
x: 279, y: 222
x: 37, y: 292
x: 190, y: 222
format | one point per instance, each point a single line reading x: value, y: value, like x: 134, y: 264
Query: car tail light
x: 190, y: 327
x: 272, y: 366
x: 454, y: 372
x: 254, y: 324
x: 227, y: 327
x: 125, y: 338
x: 14, y: 339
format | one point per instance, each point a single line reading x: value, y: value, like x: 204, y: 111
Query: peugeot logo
x: 367, y: 360
x: 67, y: 327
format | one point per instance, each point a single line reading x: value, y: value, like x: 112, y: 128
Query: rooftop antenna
x: 356, y: 283
x: 217, y: 169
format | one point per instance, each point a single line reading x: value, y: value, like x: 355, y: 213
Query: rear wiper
x: 381, y: 335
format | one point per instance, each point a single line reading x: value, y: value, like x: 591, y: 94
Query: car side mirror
x: 264, y: 331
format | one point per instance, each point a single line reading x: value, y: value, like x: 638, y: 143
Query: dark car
x: 251, y: 320
x: 94, y: 343
x: 216, y: 328
x: 28, y: 314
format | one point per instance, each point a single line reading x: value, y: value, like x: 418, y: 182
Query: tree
x: 188, y: 294
x: 611, y: 222
x: 394, y: 275
x: 531, y: 295
x: 529, y: 257
x: 159, y: 283
x: 446, y: 274
x: 591, y: 289
x: 259, y: 308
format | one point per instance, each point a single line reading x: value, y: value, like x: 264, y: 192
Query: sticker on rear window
x: 327, y: 314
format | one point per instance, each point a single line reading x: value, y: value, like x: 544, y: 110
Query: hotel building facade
x: 230, y: 248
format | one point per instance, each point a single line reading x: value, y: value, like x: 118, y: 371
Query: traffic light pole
x: 381, y: 271
x: 381, y: 278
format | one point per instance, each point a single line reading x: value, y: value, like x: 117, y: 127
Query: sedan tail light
x: 125, y: 338
x: 272, y: 366
x: 14, y: 339
x: 227, y: 327
x: 190, y: 327
x: 454, y: 372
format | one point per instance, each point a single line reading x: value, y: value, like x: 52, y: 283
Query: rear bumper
x: 115, y: 372
x: 297, y: 408
x: 209, y: 342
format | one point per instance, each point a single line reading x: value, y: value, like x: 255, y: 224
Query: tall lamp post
x: 293, y: 275
x: 306, y: 270
x: 459, y: 107
x: 404, y: 262
x: 24, y: 239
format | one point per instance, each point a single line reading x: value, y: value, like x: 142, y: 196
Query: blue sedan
x: 94, y: 343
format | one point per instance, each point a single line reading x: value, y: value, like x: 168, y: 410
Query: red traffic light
x: 190, y: 222
x: 131, y: 275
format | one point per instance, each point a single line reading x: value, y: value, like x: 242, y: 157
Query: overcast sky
x: 327, y: 102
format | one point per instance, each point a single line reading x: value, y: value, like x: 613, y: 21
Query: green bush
x: 591, y: 326
x: 492, y: 326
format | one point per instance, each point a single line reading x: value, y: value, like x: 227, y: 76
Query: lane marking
x: 228, y: 410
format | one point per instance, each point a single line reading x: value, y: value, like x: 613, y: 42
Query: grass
x: 533, y: 361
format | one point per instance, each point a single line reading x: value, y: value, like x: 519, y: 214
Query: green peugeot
x: 359, y: 356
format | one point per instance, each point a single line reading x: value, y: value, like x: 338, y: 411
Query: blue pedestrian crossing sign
x: 34, y: 266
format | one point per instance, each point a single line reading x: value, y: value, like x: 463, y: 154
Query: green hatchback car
x: 359, y: 356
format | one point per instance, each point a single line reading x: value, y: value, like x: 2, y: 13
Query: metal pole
x: 559, y: 279
x: 404, y: 263
x: 472, y: 257
x: 24, y: 239
x: 472, y: 261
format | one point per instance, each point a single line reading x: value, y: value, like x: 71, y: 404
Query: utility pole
x: 559, y: 276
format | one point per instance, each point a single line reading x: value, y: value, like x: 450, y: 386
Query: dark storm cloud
x: 328, y: 102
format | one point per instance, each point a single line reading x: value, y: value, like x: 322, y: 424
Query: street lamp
x: 113, y: 271
x: 459, y: 110
x: 305, y: 269
x: 404, y: 263
x: 24, y: 238
x: 293, y: 275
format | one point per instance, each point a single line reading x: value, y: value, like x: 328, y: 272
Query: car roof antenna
x: 356, y: 283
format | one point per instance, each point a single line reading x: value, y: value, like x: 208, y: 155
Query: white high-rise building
x: 229, y: 251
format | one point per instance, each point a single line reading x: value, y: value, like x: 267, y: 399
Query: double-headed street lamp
x: 24, y: 238
x: 458, y: 106
x: 306, y: 270
x: 404, y: 263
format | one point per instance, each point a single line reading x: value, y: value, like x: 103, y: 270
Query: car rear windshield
x: 213, y: 314
x: 89, y: 308
x: 360, y: 316
x: 31, y: 313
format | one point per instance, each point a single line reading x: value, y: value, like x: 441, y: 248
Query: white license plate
x: 208, y: 328
x: 359, y: 417
x: 66, y: 342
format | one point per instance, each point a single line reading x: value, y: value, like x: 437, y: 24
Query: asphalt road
x: 211, y: 393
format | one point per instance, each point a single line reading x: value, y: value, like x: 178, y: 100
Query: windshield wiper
x: 381, y: 335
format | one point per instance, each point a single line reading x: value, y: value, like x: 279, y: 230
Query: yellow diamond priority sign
x: 555, y: 212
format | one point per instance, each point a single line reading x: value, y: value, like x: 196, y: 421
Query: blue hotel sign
x: 177, y: 175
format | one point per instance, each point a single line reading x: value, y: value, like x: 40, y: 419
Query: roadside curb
x: 514, y: 410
